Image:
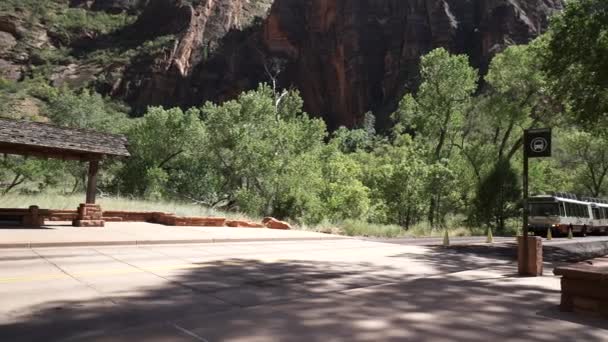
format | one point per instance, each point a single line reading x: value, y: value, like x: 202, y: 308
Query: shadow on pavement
x: 458, y: 258
x: 461, y: 258
x: 575, y: 252
x: 248, y: 300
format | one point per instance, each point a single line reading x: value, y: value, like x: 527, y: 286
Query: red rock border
x: 584, y: 287
x: 166, y: 219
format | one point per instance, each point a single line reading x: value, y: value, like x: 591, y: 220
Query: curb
x: 153, y: 242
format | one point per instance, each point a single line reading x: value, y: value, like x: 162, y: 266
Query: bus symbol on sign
x: 537, y: 143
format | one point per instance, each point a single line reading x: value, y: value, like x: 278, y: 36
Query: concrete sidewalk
x: 337, y: 290
x: 130, y: 234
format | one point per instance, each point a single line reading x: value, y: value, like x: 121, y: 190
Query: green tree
x: 438, y: 109
x: 497, y: 195
x: 397, y: 175
x: 343, y: 194
x: 84, y: 109
x: 588, y: 161
x: 164, y: 144
x: 267, y: 152
x: 515, y: 98
x: 28, y: 173
x: 577, y: 60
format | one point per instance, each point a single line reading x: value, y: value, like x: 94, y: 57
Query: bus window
x: 544, y: 209
x: 583, y: 210
x: 562, y: 211
x: 596, y: 213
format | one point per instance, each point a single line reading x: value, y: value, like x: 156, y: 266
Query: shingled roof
x: 34, y: 138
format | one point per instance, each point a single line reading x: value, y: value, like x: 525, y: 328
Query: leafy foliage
x: 437, y: 113
x: 498, y: 194
x: 451, y: 159
x: 577, y: 60
x: 588, y: 161
x: 165, y: 146
x: 268, y: 150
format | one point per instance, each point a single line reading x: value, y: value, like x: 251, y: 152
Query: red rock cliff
x: 346, y: 57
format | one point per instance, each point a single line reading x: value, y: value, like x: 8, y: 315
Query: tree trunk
x: 16, y: 181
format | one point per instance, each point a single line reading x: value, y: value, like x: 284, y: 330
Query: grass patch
x: 358, y: 228
x: 60, y: 201
x: 362, y: 228
x: 355, y: 228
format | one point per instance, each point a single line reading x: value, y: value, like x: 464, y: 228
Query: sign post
x: 537, y: 144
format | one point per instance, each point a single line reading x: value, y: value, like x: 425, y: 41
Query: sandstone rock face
x: 346, y: 57
x: 199, y: 26
x: 9, y: 70
x: 74, y: 75
x: 7, y: 42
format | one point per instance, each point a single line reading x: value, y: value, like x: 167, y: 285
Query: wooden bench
x: 585, y: 287
x: 31, y: 217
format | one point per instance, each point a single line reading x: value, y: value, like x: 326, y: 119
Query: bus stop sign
x: 537, y: 143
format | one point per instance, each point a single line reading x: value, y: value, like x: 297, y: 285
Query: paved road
x: 336, y: 290
x: 439, y: 241
x: 479, y: 240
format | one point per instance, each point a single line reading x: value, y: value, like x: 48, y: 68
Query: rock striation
x: 346, y: 57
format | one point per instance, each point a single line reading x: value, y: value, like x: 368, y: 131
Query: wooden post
x: 92, y: 181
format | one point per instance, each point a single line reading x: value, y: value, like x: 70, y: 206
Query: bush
x: 363, y: 228
x: 74, y: 20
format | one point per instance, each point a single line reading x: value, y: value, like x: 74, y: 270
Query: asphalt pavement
x: 435, y: 241
x: 325, y: 290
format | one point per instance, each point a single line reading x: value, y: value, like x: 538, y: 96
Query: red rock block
x: 158, y: 217
x: 89, y: 210
x: 272, y: 223
x: 112, y: 219
x: 61, y: 215
x: 533, y: 264
x: 167, y: 219
x: 138, y: 216
x: 201, y: 221
x: 88, y: 223
x: 584, y: 288
x: 243, y: 224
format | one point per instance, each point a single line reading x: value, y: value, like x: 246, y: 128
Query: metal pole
x: 525, y: 204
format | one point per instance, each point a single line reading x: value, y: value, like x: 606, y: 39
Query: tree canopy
x: 577, y: 60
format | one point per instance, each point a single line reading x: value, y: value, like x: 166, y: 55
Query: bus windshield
x: 544, y: 209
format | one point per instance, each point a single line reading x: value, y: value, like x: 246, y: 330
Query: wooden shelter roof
x: 45, y: 140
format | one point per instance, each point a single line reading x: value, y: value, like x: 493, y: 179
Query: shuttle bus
x: 561, y: 212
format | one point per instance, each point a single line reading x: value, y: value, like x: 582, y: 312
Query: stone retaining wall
x: 88, y: 213
x: 585, y: 287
